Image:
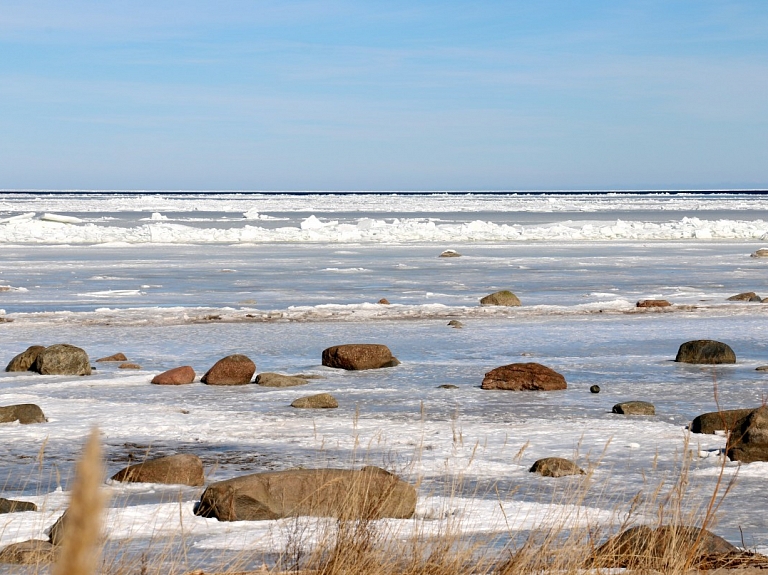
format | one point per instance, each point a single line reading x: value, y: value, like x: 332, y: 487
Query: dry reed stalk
x: 82, y: 528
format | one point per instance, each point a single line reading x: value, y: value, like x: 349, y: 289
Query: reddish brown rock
x: 176, y: 376
x: 524, y: 377
x: 383, y: 301
x: 234, y: 369
x: 24, y: 361
x: 114, y: 357
x: 129, y: 366
x: 355, y: 356
x: 180, y: 469
x: 653, y: 303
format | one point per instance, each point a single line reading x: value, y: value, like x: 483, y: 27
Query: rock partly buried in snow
x: 645, y: 547
x: 450, y: 254
x: 129, y: 365
x: 11, y: 506
x: 503, y: 298
x: 24, y: 413
x: 746, y: 296
x: 653, y: 303
x: 370, y: 493
x: 356, y: 356
x: 762, y: 368
x: 634, y: 408
x: 32, y: 552
x: 705, y: 351
x: 25, y: 360
x: 62, y: 359
x: 749, y: 437
x: 318, y: 401
x: 455, y: 324
x: 761, y: 253
x: 447, y: 386
x: 524, y: 377
x: 180, y: 469
x: 724, y: 420
x: 232, y: 370
x: 114, y: 357
x: 176, y: 376
x: 268, y: 379
x: 383, y: 301
x: 556, y: 467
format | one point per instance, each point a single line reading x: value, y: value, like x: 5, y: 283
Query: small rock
x: 129, y: 366
x: 356, y: 356
x: 176, y: 376
x: 761, y: 253
x: 268, y: 379
x: 501, y: 298
x: 113, y: 357
x: 705, y: 351
x: 762, y: 368
x: 24, y: 413
x: 450, y: 254
x: 447, y: 386
x: 11, y: 506
x: 556, y: 467
x: 383, y: 301
x: 594, y: 388
x: 232, y: 370
x: 32, y: 552
x: 634, y: 408
x: 746, y: 296
x: 455, y: 324
x: 56, y: 531
x: 25, y: 360
x: 653, y: 303
x: 62, y: 359
x: 179, y: 469
x: 319, y: 401
x: 524, y: 377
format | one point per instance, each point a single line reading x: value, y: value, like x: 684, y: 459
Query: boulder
x: 56, y: 531
x: 634, y: 408
x: 25, y: 360
x: 355, y: 356
x: 524, y: 377
x: 646, y: 547
x: 114, y: 357
x: 62, y: 359
x: 556, y: 467
x: 176, y: 376
x: 749, y: 437
x: 11, y: 506
x: 504, y: 298
x: 723, y: 420
x: 653, y: 303
x: 129, y: 365
x: 746, y: 296
x: 705, y: 351
x: 383, y: 301
x: 32, y: 552
x: 761, y: 253
x: 450, y: 254
x: 180, y: 469
x: 23, y: 413
x: 232, y: 370
x: 268, y: 379
x: 455, y: 324
x: 370, y: 493
x: 762, y: 368
x: 319, y: 401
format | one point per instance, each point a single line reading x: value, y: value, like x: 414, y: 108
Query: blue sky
x: 383, y: 95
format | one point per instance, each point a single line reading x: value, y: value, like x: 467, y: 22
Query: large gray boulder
x: 179, y: 469
x: 370, y: 493
x: 723, y: 420
x: 524, y: 377
x: 234, y: 369
x: 354, y: 356
x: 749, y: 437
x: 23, y: 413
x: 705, y: 351
x: 25, y: 360
x: 503, y: 298
x: 62, y: 359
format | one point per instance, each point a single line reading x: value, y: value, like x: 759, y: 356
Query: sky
x: 358, y: 95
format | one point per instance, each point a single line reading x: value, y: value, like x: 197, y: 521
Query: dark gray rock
x: 718, y: 420
x: 25, y: 360
x: 11, y: 506
x: 62, y: 359
x: 355, y: 356
x: 749, y: 437
x: 705, y: 351
x: 634, y: 408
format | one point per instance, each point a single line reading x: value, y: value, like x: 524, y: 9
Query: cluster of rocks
x: 59, y: 359
x: 747, y: 296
